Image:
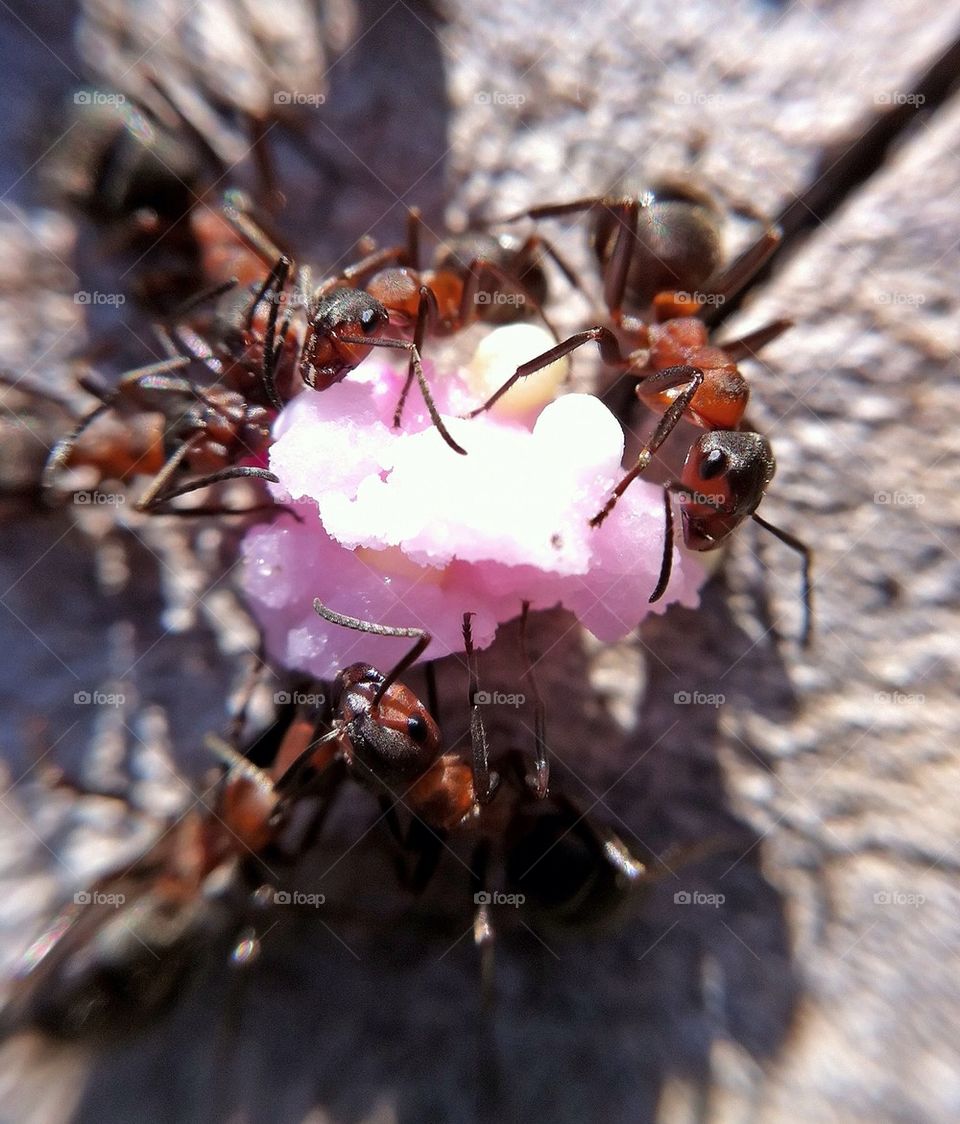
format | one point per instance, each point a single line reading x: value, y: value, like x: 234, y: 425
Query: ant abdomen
x: 678, y: 243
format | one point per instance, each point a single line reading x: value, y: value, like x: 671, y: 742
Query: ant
x: 473, y: 278
x: 117, y: 956
x: 571, y: 871
x: 680, y: 374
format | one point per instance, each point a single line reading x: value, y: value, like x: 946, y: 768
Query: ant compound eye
x: 714, y: 464
x: 369, y: 320
x: 417, y: 729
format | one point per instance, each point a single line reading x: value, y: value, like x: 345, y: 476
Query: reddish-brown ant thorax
x: 395, y: 740
x: 721, y: 400
x: 724, y: 479
x: 398, y: 290
x: 444, y: 797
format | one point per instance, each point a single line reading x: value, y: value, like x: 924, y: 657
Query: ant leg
x: 153, y: 497
x: 741, y: 272
x: 471, y: 287
x: 420, y: 635
x: 271, y: 346
x: 536, y: 241
x: 745, y: 347
x: 275, y: 279
x: 251, y: 233
x: 662, y: 380
x: 484, y: 781
x: 625, y: 214
x: 426, y: 307
x: 540, y: 781
x: 807, y: 556
x: 60, y: 453
x: 610, y: 353
x: 558, y: 210
x: 666, y: 564
x: 406, y: 345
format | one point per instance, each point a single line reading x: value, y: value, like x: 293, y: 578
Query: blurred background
x: 824, y: 986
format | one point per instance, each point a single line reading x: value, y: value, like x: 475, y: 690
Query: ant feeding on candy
x: 385, y: 297
x: 525, y: 838
x: 641, y: 242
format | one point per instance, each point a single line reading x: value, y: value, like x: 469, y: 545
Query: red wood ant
x: 570, y: 871
x: 116, y: 956
x: 477, y: 277
x: 679, y: 372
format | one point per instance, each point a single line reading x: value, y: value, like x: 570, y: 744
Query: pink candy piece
x: 399, y: 529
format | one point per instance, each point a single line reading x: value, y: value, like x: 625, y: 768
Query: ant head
x: 340, y: 321
x: 724, y: 479
x: 678, y: 244
x: 394, y: 741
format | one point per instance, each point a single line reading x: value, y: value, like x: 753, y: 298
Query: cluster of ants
x: 236, y: 352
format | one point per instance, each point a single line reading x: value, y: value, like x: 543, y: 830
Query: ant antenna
x: 540, y: 780
x: 421, y: 636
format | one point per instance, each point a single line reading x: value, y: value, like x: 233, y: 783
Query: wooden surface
x: 824, y: 986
